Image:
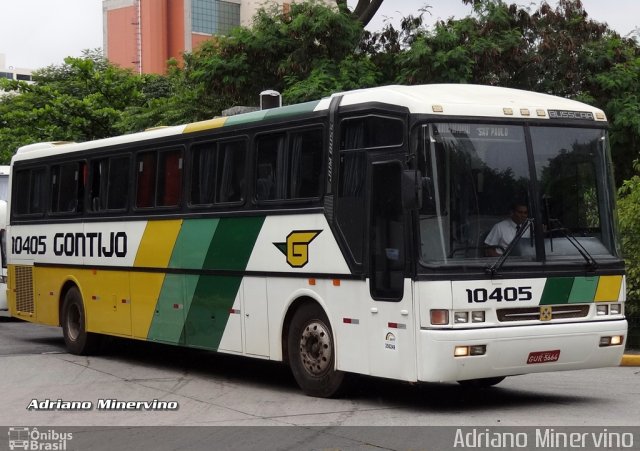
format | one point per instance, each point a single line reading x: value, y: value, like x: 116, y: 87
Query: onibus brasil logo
x: 34, y: 439
x: 296, y: 248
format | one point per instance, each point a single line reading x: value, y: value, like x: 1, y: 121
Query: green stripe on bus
x: 289, y: 110
x: 213, y: 298
x: 556, y: 290
x: 583, y: 290
x: 177, y: 290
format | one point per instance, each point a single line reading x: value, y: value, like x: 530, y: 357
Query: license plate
x: 543, y: 357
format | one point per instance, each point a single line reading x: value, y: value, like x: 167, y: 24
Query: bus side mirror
x: 411, y: 189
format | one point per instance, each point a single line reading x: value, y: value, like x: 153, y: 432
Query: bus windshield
x: 477, y: 185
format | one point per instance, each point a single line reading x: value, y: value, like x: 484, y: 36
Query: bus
x: 340, y: 236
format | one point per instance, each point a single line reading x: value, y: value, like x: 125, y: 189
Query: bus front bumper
x: 518, y: 350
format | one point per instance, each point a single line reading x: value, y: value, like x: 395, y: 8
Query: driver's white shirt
x: 502, y: 234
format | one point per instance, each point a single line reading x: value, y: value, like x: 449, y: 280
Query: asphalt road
x: 213, y: 390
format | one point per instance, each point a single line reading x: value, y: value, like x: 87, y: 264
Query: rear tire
x: 482, y: 383
x: 74, y: 325
x: 312, y: 352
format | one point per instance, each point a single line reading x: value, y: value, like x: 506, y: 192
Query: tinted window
x: 67, y: 187
x: 159, y: 178
x: 109, y: 183
x: 29, y: 188
x: 289, y: 165
x: 371, y: 131
x: 217, y: 172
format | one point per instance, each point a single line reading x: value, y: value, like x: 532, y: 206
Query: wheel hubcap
x: 73, y: 322
x: 315, y: 348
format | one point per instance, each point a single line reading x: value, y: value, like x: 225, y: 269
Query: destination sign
x: 573, y: 115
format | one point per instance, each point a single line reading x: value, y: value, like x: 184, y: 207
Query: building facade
x: 13, y: 73
x: 143, y: 34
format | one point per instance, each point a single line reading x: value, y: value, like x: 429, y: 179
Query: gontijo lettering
x: 92, y: 244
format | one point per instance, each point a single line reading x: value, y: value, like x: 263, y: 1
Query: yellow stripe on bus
x: 205, y: 125
x: 155, y: 251
x: 608, y: 289
x: 157, y: 244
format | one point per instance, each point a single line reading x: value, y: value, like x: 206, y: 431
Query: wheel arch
x: 66, y: 286
x: 294, y: 305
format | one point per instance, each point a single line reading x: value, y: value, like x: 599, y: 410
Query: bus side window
x: 169, y: 190
x: 109, y: 183
x: 146, y: 179
x: 217, y: 172
x: 230, y: 171
x: 29, y: 188
x: 118, y: 183
x: 67, y: 187
x: 305, y: 155
x: 271, y: 167
x: 290, y: 165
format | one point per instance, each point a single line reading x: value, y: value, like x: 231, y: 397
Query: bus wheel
x: 76, y: 337
x: 312, y: 352
x: 482, y: 383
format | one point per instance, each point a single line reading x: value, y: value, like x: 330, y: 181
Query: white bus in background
x: 4, y: 191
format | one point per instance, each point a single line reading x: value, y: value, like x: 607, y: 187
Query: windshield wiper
x: 591, y: 262
x: 493, y: 269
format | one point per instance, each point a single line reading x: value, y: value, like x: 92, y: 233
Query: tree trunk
x: 364, y: 10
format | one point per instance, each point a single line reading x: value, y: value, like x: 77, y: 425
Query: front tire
x: 312, y: 352
x: 74, y: 325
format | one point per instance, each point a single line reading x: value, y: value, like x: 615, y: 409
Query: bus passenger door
x: 391, y: 313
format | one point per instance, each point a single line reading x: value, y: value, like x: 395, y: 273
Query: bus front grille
x: 24, y: 289
x: 535, y: 313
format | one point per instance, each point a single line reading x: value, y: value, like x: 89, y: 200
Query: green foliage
x: 81, y: 100
x: 311, y: 47
x: 629, y: 220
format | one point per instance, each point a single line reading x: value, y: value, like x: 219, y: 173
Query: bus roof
x: 466, y: 100
x: 438, y: 99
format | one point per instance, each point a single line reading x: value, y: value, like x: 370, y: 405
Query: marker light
x: 439, y: 317
x: 460, y: 317
x: 477, y: 316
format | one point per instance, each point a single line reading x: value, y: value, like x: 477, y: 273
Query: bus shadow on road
x: 436, y: 397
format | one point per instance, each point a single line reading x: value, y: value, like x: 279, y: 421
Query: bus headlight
x: 602, y: 310
x: 615, y: 309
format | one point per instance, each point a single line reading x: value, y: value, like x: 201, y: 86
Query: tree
x: 629, y: 218
x: 306, y: 53
x: 81, y: 100
x: 363, y: 12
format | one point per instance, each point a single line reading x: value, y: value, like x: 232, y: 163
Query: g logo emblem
x: 296, y: 248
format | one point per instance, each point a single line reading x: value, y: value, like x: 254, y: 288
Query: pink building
x: 144, y: 34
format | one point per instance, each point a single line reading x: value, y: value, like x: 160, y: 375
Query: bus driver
x: 505, y: 231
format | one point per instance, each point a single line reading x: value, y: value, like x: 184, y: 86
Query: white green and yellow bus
x: 346, y: 235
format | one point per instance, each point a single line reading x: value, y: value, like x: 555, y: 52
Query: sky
x: 38, y: 33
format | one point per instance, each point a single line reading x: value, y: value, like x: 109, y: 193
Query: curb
x: 630, y: 360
